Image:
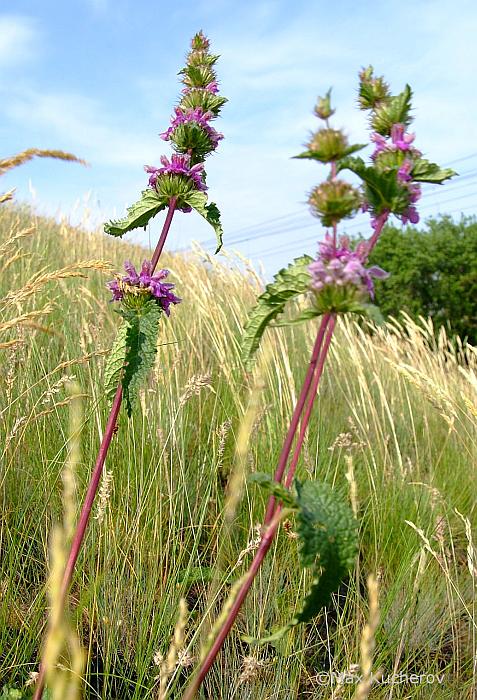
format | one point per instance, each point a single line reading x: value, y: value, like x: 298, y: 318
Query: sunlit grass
x: 402, y: 405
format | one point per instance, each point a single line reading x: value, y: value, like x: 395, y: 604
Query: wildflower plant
x: 182, y: 178
x: 179, y: 185
x: 337, y: 282
x: 144, y: 297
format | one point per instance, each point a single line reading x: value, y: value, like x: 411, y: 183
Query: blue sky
x: 98, y: 78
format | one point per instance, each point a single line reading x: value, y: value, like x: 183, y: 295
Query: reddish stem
x: 290, y: 436
x: 311, y: 401
x: 269, y: 534
x: 263, y: 548
x: 98, y: 468
x: 165, y: 230
x: 374, y: 238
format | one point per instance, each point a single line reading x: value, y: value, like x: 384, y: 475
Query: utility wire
x: 295, y: 221
x: 308, y: 239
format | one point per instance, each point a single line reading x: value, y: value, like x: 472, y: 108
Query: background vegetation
x: 396, y: 431
x: 433, y: 273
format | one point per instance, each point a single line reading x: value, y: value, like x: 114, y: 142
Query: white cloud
x: 273, y: 64
x: 80, y: 123
x: 18, y: 40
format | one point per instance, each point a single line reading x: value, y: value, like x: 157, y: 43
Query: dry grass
x: 397, y: 405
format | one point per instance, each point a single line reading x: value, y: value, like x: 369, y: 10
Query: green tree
x: 433, y: 273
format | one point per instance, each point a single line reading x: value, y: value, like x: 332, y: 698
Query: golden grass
x: 10, y: 162
x: 400, y: 414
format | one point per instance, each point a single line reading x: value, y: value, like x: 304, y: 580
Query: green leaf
x: 270, y: 639
x: 141, y: 339
x: 329, y: 545
x: 289, y: 283
x: 392, y: 110
x: 273, y: 488
x: 195, y: 574
x: 372, y: 312
x: 198, y: 201
x: 138, y: 214
x: 328, y: 533
x: 382, y: 189
x: 116, y: 361
x: 425, y: 171
x: 304, y: 315
x: 323, y: 156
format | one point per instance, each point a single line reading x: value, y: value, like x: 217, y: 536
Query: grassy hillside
x: 396, y: 420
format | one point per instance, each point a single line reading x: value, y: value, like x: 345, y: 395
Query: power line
x: 296, y: 220
x: 308, y: 239
x: 307, y: 223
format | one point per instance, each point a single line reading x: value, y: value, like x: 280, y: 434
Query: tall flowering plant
x: 144, y: 296
x: 338, y: 281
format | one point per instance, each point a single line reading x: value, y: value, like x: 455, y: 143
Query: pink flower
x: 343, y: 267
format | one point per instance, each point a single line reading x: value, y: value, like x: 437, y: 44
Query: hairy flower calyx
x: 329, y: 145
x: 177, y: 178
x: 190, y: 132
x: 334, y: 200
x: 340, y: 280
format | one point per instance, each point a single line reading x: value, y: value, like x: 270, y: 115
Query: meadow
x: 395, y: 432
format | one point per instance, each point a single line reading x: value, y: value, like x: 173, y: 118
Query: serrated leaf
x: 329, y: 542
x: 116, y: 361
x: 198, y: 201
x: 289, y: 283
x: 138, y: 214
x: 273, y: 488
x: 425, y: 171
x: 382, y: 189
x: 141, y: 340
x: 393, y: 110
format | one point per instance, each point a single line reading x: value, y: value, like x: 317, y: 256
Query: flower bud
x: 372, y: 91
x: 323, y: 106
x: 200, y: 42
x: 329, y: 145
x: 334, y: 200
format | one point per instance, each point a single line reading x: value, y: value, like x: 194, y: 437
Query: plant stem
x: 335, y: 224
x: 263, y: 548
x: 312, y: 380
x: 311, y: 401
x: 374, y: 238
x: 287, y: 445
x: 80, y: 531
x: 165, y: 230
